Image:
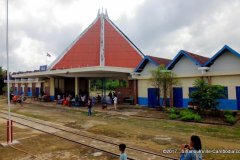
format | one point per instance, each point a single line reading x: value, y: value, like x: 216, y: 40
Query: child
x: 123, y: 155
x: 115, y: 102
x: 89, y: 107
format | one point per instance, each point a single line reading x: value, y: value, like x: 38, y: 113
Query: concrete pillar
x: 76, y: 86
x: 89, y: 87
x: 171, y: 96
x: 209, y: 80
x: 22, y: 89
x: 135, y: 91
x: 52, y: 88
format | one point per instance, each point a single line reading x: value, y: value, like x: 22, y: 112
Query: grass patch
x: 42, y: 117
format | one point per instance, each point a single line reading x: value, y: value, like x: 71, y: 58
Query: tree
x: 163, y: 79
x: 205, y: 95
x: 2, y: 76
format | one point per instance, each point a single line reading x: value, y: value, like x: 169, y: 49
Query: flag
x: 49, y: 55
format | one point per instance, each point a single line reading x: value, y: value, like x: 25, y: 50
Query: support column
x: 104, y: 89
x: 52, y: 89
x: 135, y: 91
x: 76, y: 86
x: 209, y: 80
x: 171, y: 96
x: 89, y: 87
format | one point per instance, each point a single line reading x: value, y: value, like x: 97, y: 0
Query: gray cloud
x: 164, y: 27
x: 42, y: 34
x: 157, y: 27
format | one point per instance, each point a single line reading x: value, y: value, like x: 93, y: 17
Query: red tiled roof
x: 119, y: 51
x: 201, y: 59
x: 160, y: 61
x: 85, y: 52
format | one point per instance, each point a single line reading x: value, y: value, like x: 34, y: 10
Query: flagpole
x: 9, y: 126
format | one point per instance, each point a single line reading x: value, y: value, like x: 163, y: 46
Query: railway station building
x: 103, y: 51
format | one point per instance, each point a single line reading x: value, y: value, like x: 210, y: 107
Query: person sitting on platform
x: 15, y: 98
x: 77, y: 100
x: 98, y: 98
x: 69, y: 100
x: 59, y: 100
x: 83, y: 98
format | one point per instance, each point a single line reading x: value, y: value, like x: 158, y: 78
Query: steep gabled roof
x: 78, y: 53
x: 101, y: 44
x: 219, y: 53
x: 196, y: 59
x: 200, y: 59
x: 154, y: 60
x: 119, y: 50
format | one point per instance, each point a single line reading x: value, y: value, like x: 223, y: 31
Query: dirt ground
x: 154, y: 135
x: 38, y: 146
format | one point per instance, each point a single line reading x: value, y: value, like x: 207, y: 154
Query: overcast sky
x: 158, y: 27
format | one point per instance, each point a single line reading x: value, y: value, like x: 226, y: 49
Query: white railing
x: 23, y: 80
x: 10, y: 81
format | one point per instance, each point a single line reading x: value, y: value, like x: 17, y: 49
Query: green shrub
x: 230, y: 119
x: 228, y: 113
x: 197, y: 118
x: 185, y: 112
x: 172, y: 111
x: 173, y: 116
x: 188, y: 115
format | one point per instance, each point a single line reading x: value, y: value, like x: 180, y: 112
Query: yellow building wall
x: 52, y: 86
x: 185, y: 83
x: 228, y: 81
x: 143, y: 85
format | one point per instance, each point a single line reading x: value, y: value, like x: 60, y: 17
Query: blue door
x: 22, y: 91
x: 153, y: 97
x: 238, y: 97
x: 29, y: 91
x: 16, y: 91
x: 177, y: 97
x: 37, y: 92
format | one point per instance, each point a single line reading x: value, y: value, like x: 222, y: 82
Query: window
x: 192, y: 89
x: 224, y: 93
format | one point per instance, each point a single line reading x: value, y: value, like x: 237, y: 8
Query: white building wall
x: 38, y: 85
x: 185, y: 67
x: 226, y: 63
x: 147, y: 69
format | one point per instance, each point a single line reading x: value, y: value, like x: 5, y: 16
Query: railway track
x: 79, y: 137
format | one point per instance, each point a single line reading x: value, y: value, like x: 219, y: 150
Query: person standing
x: 110, y: 95
x: 21, y: 99
x: 89, y: 104
x: 123, y: 155
x: 115, y: 102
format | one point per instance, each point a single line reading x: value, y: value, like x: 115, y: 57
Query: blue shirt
x: 191, y: 155
x: 123, y: 156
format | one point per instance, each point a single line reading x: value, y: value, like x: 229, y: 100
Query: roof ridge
x: 158, y: 57
x: 194, y: 54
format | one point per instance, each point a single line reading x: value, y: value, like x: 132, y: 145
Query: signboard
x: 43, y: 68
